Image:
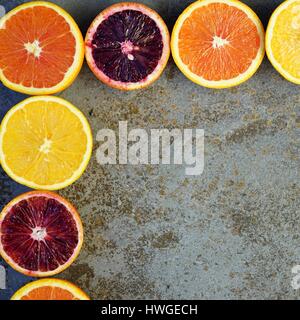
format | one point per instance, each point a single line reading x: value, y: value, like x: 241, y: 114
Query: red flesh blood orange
x: 127, y: 46
x: 40, y: 234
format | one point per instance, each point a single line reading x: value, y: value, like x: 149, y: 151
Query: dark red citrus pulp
x: 127, y: 46
x: 39, y: 234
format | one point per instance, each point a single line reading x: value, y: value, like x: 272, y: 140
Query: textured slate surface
x: 152, y: 232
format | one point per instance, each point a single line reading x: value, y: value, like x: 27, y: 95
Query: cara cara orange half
x: 41, y: 49
x: 218, y: 43
x: 50, y: 289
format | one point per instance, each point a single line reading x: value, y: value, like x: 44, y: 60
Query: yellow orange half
x: 45, y: 143
x: 283, y: 40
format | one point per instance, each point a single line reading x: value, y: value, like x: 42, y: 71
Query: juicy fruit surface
x: 44, y: 143
x: 38, y: 48
x: 50, y: 289
x: 285, y: 41
x: 127, y: 46
x: 49, y: 293
x: 218, y: 42
x: 39, y: 234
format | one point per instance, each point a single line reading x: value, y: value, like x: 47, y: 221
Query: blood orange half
x: 128, y: 46
x: 40, y: 234
x: 218, y: 43
x: 50, y: 289
x: 41, y: 49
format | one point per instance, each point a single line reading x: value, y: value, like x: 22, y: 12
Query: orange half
x: 41, y: 234
x: 41, y: 49
x: 283, y: 40
x: 50, y: 289
x: 218, y: 43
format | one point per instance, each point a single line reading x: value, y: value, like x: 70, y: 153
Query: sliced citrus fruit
x: 283, y: 40
x: 41, y: 234
x: 45, y: 143
x: 218, y: 43
x: 41, y: 49
x: 128, y: 46
x: 50, y: 289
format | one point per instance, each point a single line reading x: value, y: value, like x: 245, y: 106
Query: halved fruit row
x: 42, y: 49
x: 45, y: 143
x: 215, y: 43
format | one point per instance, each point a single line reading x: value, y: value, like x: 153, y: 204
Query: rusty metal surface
x: 151, y: 231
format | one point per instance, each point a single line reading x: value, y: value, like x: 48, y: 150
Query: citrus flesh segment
x: 129, y: 59
x: 50, y: 289
x: 40, y: 234
x: 218, y: 44
x: 127, y: 46
x: 283, y: 40
x: 45, y: 143
x: 41, y: 49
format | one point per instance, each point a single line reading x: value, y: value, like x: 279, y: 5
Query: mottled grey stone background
x: 151, y: 231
